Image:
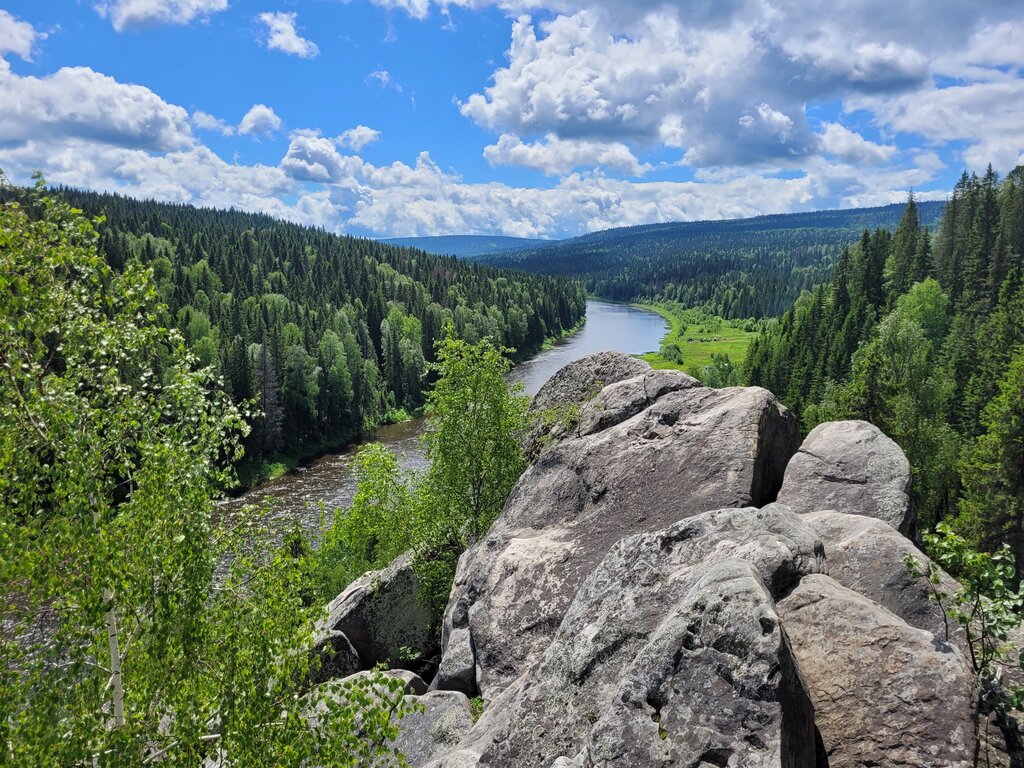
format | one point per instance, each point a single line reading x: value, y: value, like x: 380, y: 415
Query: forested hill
x: 923, y: 335
x: 736, y: 268
x: 465, y: 246
x: 328, y: 333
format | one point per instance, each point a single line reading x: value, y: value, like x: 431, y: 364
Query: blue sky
x: 541, y: 118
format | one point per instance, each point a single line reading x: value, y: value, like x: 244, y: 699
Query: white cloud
x: 988, y: 115
x: 260, y: 122
x: 124, y: 14
x: 204, y: 121
x: 384, y: 79
x: 358, y: 137
x: 17, y: 37
x: 78, y: 103
x: 557, y: 157
x: 847, y: 145
x: 282, y: 36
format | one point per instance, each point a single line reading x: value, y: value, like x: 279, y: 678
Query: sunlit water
x: 327, y: 483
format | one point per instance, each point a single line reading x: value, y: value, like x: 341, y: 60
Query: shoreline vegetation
x: 696, y: 339
x: 251, y: 475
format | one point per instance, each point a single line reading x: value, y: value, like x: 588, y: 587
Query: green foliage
x: 752, y: 267
x: 986, y: 607
x: 374, y: 530
x: 330, y: 334
x: 917, y: 333
x: 992, y: 509
x: 696, y: 339
x: 476, y: 423
x: 121, y: 641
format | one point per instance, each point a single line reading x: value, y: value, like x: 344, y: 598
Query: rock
x: 691, y: 450
x: 617, y: 402
x: 333, y: 655
x: 885, y: 693
x: 582, y: 379
x: 852, y: 467
x: 425, y: 735
x: 671, y: 654
x: 457, y: 671
x: 381, y: 615
x: 866, y: 555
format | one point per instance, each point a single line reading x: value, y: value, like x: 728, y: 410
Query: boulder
x: 866, y: 555
x: 671, y: 654
x: 431, y: 732
x: 852, y: 467
x: 617, y: 402
x: 381, y: 615
x: 582, y: 379
x: 885, y: 693
x: 690, y: 450
x: 333, y: 656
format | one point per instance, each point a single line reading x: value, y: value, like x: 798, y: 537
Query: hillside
x: 735, y: 268
x: 465, y: 246
x: 331, y: 335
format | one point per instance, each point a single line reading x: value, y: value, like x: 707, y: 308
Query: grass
x: 699, y: 336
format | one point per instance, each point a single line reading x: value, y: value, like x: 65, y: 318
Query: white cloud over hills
x: 600, y: 99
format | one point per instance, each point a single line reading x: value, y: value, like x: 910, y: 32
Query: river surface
x: 327, y: 483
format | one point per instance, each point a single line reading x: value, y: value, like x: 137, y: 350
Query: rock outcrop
x: 443, y: 719
x: 884, y: 693
x: 610, y: 620
x: 850, y: 466
x: 689, y: 450
x: 382, y: 618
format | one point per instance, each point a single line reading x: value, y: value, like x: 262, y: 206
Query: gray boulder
x: 424, y: 735
x: 866, y: 555
x: 689, y: 451
x: 852, y: 467
x: 381, y: 615
x: 582, y: 379
x: 885, y: 693
x: 333, y: 656
x: 671, y: 654
x: 621, y: 400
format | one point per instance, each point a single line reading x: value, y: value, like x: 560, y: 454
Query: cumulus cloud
x: 847, y: 145
x: 282, y: 36
x: 260, y: 122
x: 17, y: 37
x: 124, y: 14
x: 79, y: 103
x: 204, y: 121
x: 986, y: 115
x: 557, y: 157
x: 358, y: 137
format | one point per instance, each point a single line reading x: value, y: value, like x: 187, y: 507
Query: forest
x: 740, y: 268
x: 328, y: 335
x: 921, y: 333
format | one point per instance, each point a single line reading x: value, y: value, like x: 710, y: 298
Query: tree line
x: 743, y: 268
x: 922, y: 333
x: 328, y: 335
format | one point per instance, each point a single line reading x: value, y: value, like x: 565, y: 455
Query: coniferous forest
x: 328, y: 336
x: 740, y: 268
x: 921, y: 334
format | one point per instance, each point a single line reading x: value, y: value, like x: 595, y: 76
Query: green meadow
x: 694, y: 336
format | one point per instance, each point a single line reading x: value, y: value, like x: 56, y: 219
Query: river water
x: 328, y: 480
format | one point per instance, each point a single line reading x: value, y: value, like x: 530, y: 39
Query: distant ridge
x: 751, y: 267
x: 465, y: 246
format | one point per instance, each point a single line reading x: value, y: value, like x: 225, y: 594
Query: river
x: 328, y: 479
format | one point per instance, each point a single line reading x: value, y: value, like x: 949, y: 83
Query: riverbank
x: 254, y: 474
x: 694, y: 337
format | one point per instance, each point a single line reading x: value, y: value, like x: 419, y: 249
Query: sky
x: 531, y: 118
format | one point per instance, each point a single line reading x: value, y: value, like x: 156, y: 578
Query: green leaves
x: 122, y: 590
